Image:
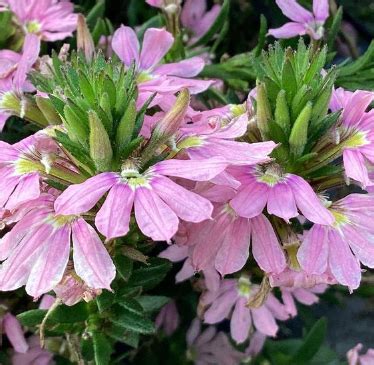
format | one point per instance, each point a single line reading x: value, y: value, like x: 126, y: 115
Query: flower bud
x: 100, y: 147
x: 282, y: 114
x: 48, y: 110
x: 171, y: 122
x: 76, y: 129
x: 299, y: 132
x: 126, y: 127
x: 85, y: 42
x: 263, y: 111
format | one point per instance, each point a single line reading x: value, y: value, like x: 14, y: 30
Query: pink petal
x: 289, y: 302
x: 220, y: 308
x: 175, y: 253
x: 80, y: 198
x: 28, y: 188
x: 113, y: 218
x: 126, y: 45
x: 294, y: 11
x: 155, y: 3
x: 154, y: 217
x: 50, y: 266
x: 308, y: 202
x: 344, y: 266
x: 281, y: 202
x: 185, y: 204
x: 91, y: 260
x: 14, y: 332
x: 193, y: 331
x: 15, y: 271
x: 321, y: 9
x: 190, y: 67
x: 355, y: 108
x: 265, y: 247
x: 304, y: 296
x: 156, y: 44
x: 355, y: 167
x: 241, y: 321
x: 264, y: 321
x: 236, y: 128
x: 313, y: 252
x: 251, y: 199
x: 192, y: 12
x: 29, y: 56
x: 234, y: 252
x: 288, y: 30
x: 202, y: 170
x: 186, y: 272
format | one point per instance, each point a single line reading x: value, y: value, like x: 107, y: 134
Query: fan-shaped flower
x: 303, y: 21
x: 340, y: 248
x: 158, y: 200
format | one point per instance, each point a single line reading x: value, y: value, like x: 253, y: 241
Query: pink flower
x: 13, y: 74
x: 168, y: 318
x: 157, y: 199
x: 257, y: 341
x: 283, y: 193
x: 304, y: 296
x: 224, y: 243
x: 36, y: 251
x: 14, y: 332
x: 303, y: 21
x: 340, y: 248
x: 230, y: 301
x: 209, y: 347
x: 197, y: 19
x: 51, y: 20
x: 354, y: 358
x: 34, y: 355
x: 356, y: 132
x: 211, y: 137
x: 153, y: 77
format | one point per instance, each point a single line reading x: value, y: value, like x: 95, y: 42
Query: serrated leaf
x: 124, y: 266
x: 105, y: 300
x: 152, y: 303
x: 32, y: 317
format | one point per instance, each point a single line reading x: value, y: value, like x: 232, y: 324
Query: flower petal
x: 187, y: 205
x: 190, y: 67
x: 154, y: 217
x: 281, y: 202
x: 80, y: 198
x: 126, y: 45
x: 265, y: 246
x: 197, y: 170
x: 113, y: 218
x: 264, y: 321
x: 355, y: 167
x: 294, y: 11
x: 241, y: 321
x: 91, y: 260
x: 50, y: 265
x: 14, y: 332
x: 321, y: 9
x: 288, y: 30
x: 156, y: 44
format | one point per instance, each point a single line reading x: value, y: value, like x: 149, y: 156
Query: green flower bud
x: 263, y: 112
x: 282, y: 114
x: 299, y: 132
x: 100, y: 147
x: 76, y: 129
x: 48, y: 110
x: 126, y: 127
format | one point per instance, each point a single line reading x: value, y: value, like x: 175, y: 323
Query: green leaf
x: 311, y: 344
x: 334, y: 29
x: 102, y: 348
x: 69, y: 314
x: 149, y: 276
x: 216, y: 26
x: 95, y: 13
x: 105, y: 300
x: 261, y: 36
x: 124, y: 266
x: 32, y: 317
x: 87, y: 349
x: 128, y: 316
x: 152, y: 303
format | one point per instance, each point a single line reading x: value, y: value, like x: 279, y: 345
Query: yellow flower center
x: 33, y: 26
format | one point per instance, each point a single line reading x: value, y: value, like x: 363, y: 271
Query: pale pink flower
x: 230, y: 301
x: 356, y: 132
x: 197, y: 19
x: 168, y: 318
x: 14, y: 68
x: 354, y: 357
x: 283, y: 194
x: 340, y: 248
x: 36, y: 251
x: 303, y: 21
x: 51, y: 20
x: 13, y: 330
x: 210, y: 347
x: 159, y: 202
x: 153, y: 76
x: 304, y: 296
x: 47, y: 301
x: 34, y: 355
